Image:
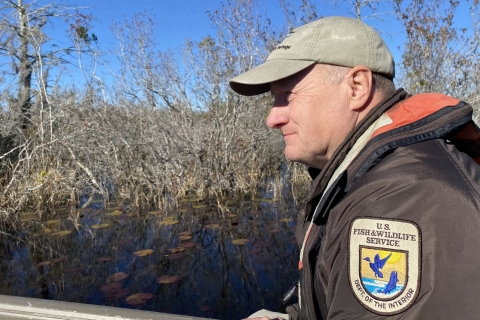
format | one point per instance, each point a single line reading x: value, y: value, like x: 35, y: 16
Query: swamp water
x: 196, y: 260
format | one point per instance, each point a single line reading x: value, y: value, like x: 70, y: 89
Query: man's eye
x: 282, y: 97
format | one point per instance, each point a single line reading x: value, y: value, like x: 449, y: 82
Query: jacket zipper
x: 307, y: 277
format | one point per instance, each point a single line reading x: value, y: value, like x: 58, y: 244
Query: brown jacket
x: 397, y: 234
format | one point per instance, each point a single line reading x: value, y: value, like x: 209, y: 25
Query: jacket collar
x: 451, y: 119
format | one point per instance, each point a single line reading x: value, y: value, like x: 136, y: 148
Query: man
x: 391, y: 226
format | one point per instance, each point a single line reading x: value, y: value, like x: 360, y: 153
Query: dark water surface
x: 196, y: 260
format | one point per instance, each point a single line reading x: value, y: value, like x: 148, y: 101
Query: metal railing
x: 31, y: 308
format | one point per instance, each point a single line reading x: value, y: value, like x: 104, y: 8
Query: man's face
x: 313, y: 115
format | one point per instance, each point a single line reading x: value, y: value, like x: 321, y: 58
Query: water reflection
x: 195, y: 260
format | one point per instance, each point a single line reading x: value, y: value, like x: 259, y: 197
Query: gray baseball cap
x: 338, y: 41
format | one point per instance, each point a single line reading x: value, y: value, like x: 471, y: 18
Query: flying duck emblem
x: 377, y: 264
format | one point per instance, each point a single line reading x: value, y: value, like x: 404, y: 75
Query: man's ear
x: 360, y: 87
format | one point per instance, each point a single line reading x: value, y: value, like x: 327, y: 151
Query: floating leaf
x: 232, y: 215
x: 287, y: 220
x: 26, y: 219
x: 138, y: 298
x: 184, y: 238
x: 145, y: 296
x: 43, y: 263
x: 189, y: 244
x: 213, y: 226
x: 168, y: 279
x: 175, y: 250
x: 185, y: 233
x: 143, y: 253
x: 123, y: 218
x: 111, y: 287
x: 274, y: 227
x: 168, y: 222
x: 104, y: 259
x: 176, y: 256
x: 50, y: 222
x: 158, y: 212
x: 100, y: 226
x: 114, y: 213
x: 240, y: 242
x: 115, y: 290
x: 72, y: 269
x: 62, y: 209
x: 199, y: 206
x: 121, y: 293
x: 62, y: 233
x: 57, y: 260
x: 116, y: 277
x: 262, y: 200
x: 47, y: 231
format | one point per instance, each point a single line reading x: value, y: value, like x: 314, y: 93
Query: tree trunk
x: 25, y: 70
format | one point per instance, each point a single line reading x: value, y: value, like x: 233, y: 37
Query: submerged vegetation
x: 156, y: 261
x: 166, y: 126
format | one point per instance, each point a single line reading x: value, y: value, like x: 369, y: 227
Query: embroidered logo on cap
x: 384, y: 264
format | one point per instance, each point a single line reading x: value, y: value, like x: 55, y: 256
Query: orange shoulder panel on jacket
x: 415, y: 108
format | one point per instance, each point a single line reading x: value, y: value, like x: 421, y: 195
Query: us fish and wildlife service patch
x: 384, y: 263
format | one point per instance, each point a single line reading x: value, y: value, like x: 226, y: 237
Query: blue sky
x: 178, y: 20
x: 181, y: 19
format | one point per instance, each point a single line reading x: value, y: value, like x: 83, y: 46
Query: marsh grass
x: 149, y: 158
x: 168, y: 127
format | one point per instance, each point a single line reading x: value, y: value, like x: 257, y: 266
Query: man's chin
x: 294, y: 157
x: 308, y: 162
x: 290, y: 156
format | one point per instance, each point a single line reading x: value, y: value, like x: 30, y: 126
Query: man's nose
x: 277, y: 118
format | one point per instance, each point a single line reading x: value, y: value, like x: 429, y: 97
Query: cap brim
x: 257, y: 80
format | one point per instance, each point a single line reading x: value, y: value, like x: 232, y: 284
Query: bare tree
x: 23, y: 41
x: 296, y: 16
x: 439, y: 56
x: 28, y: 139
x: 172, y: 125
